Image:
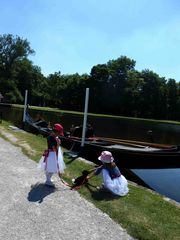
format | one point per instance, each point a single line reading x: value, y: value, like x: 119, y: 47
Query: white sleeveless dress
x: 53, y: 163
x: 118, y: 185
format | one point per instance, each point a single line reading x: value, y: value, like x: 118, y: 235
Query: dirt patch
x: 11, y: 138
x: 26, y: 146
x: 8, y: 136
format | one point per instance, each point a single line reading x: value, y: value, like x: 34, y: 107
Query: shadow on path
x: 39, y: 191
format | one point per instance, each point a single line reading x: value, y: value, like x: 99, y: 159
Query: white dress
x: 118, y: 185
x: 53, y: 162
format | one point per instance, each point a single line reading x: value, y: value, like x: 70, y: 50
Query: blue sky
x: 74, y: 35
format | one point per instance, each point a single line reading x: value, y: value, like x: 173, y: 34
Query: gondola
x: 127, y: 154
x: 32, y: 126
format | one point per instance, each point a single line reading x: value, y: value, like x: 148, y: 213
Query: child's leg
x: 48, y: 179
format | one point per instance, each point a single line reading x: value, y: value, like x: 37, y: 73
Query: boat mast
x: 25, y: 106
x: 85, y: 117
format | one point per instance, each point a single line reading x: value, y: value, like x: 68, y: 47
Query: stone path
x: 30, y: 210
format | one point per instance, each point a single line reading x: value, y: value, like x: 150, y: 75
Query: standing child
x: 52, y: 159
x: 113, y: 180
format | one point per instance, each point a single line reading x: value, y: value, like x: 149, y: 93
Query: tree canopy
x: 116, y: 87
x: 12, y: 51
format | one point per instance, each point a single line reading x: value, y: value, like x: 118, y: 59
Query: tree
x: 153, y: 95
x: 29, y: 76
x: 98, y: 82
x: 12, y: 49
x: 172, y: 99
x: 132, y: 94
x: 118, y: 80
x: 54, y: 88
x: 74, y: 91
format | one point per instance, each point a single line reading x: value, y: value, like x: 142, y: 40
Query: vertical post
x: 85, y: 117
x: 25, y: 106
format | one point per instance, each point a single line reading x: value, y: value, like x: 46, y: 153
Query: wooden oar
x: 136, y: 143
x: 118, y: 141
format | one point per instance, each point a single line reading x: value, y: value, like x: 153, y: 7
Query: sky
x: 72, y: 36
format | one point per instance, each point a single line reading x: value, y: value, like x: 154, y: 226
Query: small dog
x: 80, y: 180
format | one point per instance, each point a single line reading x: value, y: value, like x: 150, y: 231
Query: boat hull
x: 125, y: 156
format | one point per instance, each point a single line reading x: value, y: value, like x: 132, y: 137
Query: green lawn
x: 145, y: 120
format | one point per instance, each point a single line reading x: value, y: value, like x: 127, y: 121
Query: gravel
x: 30, y: 210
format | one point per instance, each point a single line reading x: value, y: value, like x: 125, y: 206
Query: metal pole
x: 25, y: 106
x: 85, y: 117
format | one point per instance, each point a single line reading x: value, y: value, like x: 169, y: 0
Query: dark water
x: 164, y: 181
x: 104, y: 126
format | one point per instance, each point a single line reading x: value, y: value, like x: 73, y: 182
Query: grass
x: 48, y: 109
x: 143, y: 213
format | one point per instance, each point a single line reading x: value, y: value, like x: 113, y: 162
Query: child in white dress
x: 113, y: 180
x: 52, y: 160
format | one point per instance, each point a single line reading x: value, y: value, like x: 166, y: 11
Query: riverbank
x: 143, y: 213
x: 136, y: 129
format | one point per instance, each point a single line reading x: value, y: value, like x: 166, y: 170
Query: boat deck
x: 123, y: 147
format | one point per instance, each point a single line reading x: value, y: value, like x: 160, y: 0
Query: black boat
x: 36, y: 127
x: 127, y: 154
x: 130, y: 155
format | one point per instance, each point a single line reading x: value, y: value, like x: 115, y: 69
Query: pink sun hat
x: 106, y: 157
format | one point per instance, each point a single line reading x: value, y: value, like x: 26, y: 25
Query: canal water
x: 163, y: 181
x: 123, y: 128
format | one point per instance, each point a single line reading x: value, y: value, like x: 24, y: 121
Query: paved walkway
x: 30, y: 210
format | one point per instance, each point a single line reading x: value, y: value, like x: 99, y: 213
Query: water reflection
x: 104, y: 126
x: 163, y: 181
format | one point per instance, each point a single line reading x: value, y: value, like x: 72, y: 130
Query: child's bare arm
x: 93, y: 172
